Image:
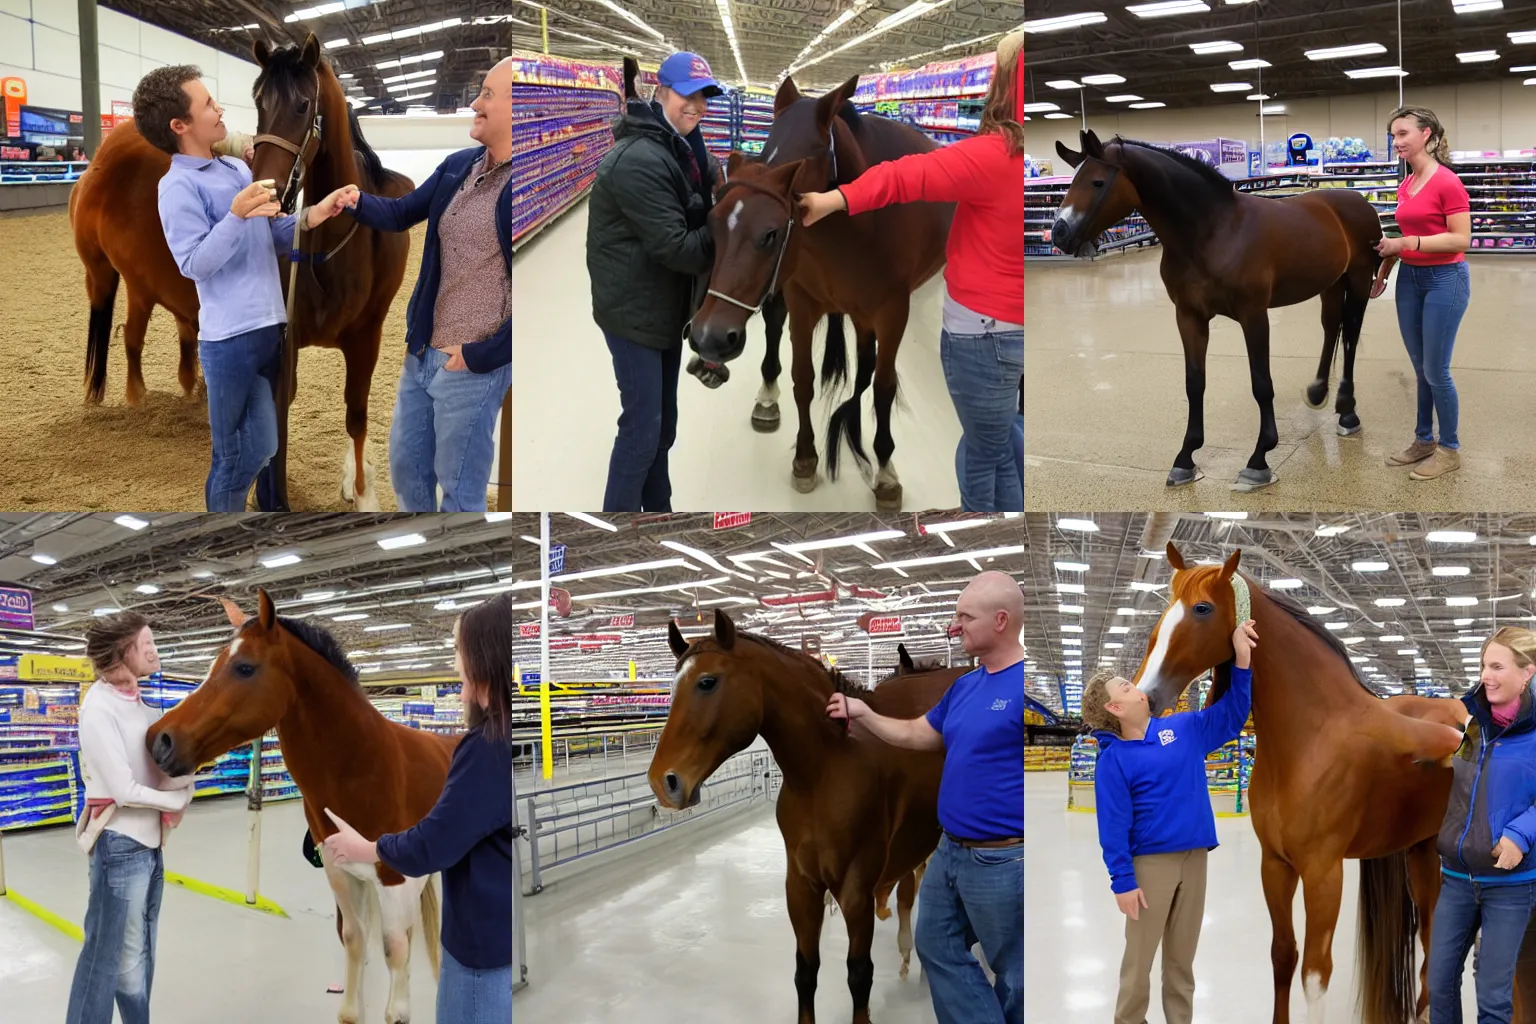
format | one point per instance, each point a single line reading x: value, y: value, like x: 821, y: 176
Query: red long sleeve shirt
x: 985, y: 254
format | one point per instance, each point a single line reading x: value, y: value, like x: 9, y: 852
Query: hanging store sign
x: 621, y: 621
x: 882, y: 624
x: 556, y: 559
x: 529, y: 630
x: 16, y: 608
x: 728, y: 520
x: 53, y: 668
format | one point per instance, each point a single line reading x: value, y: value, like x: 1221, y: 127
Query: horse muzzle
x: 717, y: 346
x: 673, y: 794
x: 163, y: 751
x: 1063, y: 237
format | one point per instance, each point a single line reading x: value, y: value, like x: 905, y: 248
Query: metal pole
x: 1082, y: 105
x: 253, y: 797
x: 1399, y: 51
x: 1263, y: 160
x: 549, y: 754
x: 519, y: 938
x: 533, y: 844
x: 90, y: 77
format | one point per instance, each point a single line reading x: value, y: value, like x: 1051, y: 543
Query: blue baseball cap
x: 687, y: 73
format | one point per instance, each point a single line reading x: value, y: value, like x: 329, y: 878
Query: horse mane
x: 1317, y: 629
x: 285, y: 74
x: 1205, y: 171
x: 318, y: 639
x: 840, y: 682
x: 373, y: 168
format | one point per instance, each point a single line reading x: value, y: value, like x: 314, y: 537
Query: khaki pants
x: 1174, y: 884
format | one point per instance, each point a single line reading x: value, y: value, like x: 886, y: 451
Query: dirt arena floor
x: 58, y: 453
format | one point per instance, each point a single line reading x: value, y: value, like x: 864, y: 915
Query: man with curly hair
x: 223, y: 231
x: 1156, y: 824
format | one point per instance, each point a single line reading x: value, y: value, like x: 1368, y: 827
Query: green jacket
x: 649, y: 249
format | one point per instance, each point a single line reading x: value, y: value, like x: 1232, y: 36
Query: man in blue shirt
x: 1156, y: 824
x: 974, y: 887
x: 222, y: 230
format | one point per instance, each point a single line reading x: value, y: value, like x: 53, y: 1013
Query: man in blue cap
x: 649, y: 252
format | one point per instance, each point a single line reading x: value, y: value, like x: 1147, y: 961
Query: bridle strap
x: 303, y: 154
x: 1244, y: 598
x: 789, y: 226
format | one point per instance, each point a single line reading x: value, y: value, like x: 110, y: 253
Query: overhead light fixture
x: 1217, y: 46
x: 1039, y: 108
x: 1474, y: 6
x: 1064, y: 83
x: 1259, y: 96
x: 1522, y: 37
x: 1231, y: 87
x: 1451, y: 570
x: 108, y: 610
x: 1273, y: 108
x: 1391, y: 602
x: 331, y: 44
x: 1070, y: 588
x: 1460, y: 602
x: 278, y: 561
x: 1147, y: 106
x: 1227, y: 515
x: 381, y: 629
x: 131, y: 522
x: 1248, y: 64
x: 1164, y: 8
x: 1392, y: 72
x: 1107, y: 79
x: 1058, y: 116
x: 962, y: 556
x: 1066, y: 21
x: 306, y: 13
x: 349, y: 617
x: 1336, y: 626
x: 854, y: 540
x: 408, y: 76
x: 1285, y: 584
x: 1123, y: 98
x: 1146, y: 588
x: 1328, y: 529
x: 1089, y: 526
x: 1369, y: 566
x: 1450, y: 536
x: 1524, y: 68
x: 1356, y: 50
x: 400, y: 62
x: 1393, y: 639
x: 418, y: 30
x: 43, y: 559
x: 1072, y: 566
x: 146, y: 588
x: 1478, y: 56
x: 408, y: 86
x: 1070, y: 628
x: 1070, y: 609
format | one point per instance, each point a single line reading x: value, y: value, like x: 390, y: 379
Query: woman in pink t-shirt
x: 1432, y: 291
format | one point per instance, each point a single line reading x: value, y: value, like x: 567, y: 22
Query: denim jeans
x: 973, y: 894
x: 241, y: 374
x: 1502, y: 912
x: 118, y: 958
x: 469, y: 996
x: 637, y: 470
x: 982, y: 371
x: 1430, y: 304
x: 443, y: 434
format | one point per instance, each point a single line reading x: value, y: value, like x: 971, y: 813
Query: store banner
x: 621, y: 621
x: 16, y: 608
x: 529, y: 630
x: 53, y: 668
x: 730, y: 520
x: 883, y: 624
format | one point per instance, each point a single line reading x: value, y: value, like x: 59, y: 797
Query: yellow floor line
x: 262, y: 904
x: 69, y: 928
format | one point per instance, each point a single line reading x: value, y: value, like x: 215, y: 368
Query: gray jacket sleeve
x: 647, y: 200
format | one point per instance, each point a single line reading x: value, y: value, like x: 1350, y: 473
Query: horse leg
x: 352, y: 903
x: 399, y: 906
x: 1257, y: 473
x: 765, y: 412
x: 1279, y: 880
x: 1354, y: 322
x: 357, y: 474
x: 802, y: 325
x: 139, y: 308
x: 847, y: 419
x: 186, y: 367
x: 1333, y: 318
x: 804, y: 898
x: 1195, y: 332
x: 859, y: 913
x: 887, y: 485
x: 1424, y: 886
x: 1322, y: 892
x: 906, y: 892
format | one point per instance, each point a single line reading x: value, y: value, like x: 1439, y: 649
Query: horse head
x: 249, y: 687
x: 288, y: 106
x: 1195, y: 631
x: 717, y: 709
x: 1099, y: 196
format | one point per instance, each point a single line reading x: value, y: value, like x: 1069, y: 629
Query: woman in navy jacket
x: 468, y: 834
x: 458, y: 338
x: 1487, y: 838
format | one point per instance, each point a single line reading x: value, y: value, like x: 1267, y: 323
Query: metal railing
x: 604, y: 749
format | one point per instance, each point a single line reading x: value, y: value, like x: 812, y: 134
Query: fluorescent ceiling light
x: 1369, y: 566
x: 1248, y: 64
x: 306, y: 13
x: 408, y: 76
x: 1064, y: 83
x: 1231, y: 87
x: 1227, y: 515
x: 43, y: 559
x: 1286, y: 584
x: 61, y: 607
x: 407, y: 540
x: 1217, y: 46
x: 381, y: 629
x: 331, y: 44
x: 1058, y: 117
x: 1147, y: 106
x: 1273, y: 108
x: 1146, y: 587
x: 1066, y: 21
x: 1070, y: 588
x: 109, y: 610
x: 278, y: 561
x: 1039, y: 108
x: 1164, y: 8
x: 1069, y: 628
x: 712, y: 581
x: 1123, y: 98
x: 131, y: 522
x: 957, y: 524
x: 963, y: 556
x: 1391, y: 602
x: 622, y: 570
x: 1522, y: 37
x: 844, y: 542
x: 1450, y: 536
x: 1072, y: 566
x: 1356, y: 50
x: 1393, y: 639
x: 1451, y: 570
x: 147, y: 588
x: 1089, y: 526
x: 1070, y: 609
x: 1474, y: 6
x: 1328, y: 529
x: 1336, y: 626
x: 1259, y: 96
x: 1460, y: 602
x: 349, y: 617
x: 399, y: 62
x: 408, y: 86
x: 1478, y: 56
x: 1103, y: 79
x: 1523, y: 68
x: 1119, y: 630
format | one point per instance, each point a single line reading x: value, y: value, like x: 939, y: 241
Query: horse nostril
x: 732, y: 338
x: 671, y: 784
x: 162, y: 748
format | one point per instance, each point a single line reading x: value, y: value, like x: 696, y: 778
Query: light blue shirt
x: 232, y: 260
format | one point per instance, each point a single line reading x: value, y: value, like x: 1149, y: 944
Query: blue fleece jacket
x: 1151, y: 793
x: 1493, y: 796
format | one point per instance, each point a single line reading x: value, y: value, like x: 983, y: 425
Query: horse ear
x: 236, y: 616
x: 675, y: 640
x: 1174, y: 558
x: 1072, y: 159
x: 725, y: 630
x: 261, y: 51
x: 266, y: 611
x: 906, y: 659
x: 735, y: 160
x: 830, y: 103
x: 311, y: 53
x: 1092, y: 146
x: 788, y: 93
x: 1230, y: 565
x: 784, y: 175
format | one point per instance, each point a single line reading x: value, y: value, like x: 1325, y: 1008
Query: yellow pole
x: 544, y: 26
x: 545, y: 729
x: 631, y: 671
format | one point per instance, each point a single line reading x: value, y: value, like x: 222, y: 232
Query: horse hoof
x: 805, y: 475
x: 1181, y: 477
x: 888, y: 498
x: 765, y: 418
x: 1347, y: 429
x: 1253, y: 480
x: 1317, y: 394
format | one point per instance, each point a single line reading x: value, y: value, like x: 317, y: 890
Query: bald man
x: 458, y: 327
x: 974, y: 887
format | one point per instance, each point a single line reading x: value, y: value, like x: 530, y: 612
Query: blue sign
x: 530, y: 679
x: 556, y: 560
x: 1255, y: 163
x: 16, y: 608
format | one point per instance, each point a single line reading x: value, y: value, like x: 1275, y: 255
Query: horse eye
x: 707, y: 683
x: 1203, y: 608
x: 769, y: 239
x: 1098, y: 183
x: 245, y: 671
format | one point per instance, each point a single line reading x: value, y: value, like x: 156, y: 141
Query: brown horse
x: 1338, y: 773
x: 866, y: 267
x: 378, y: 776
x: 341, y: 301
x: 856, y: 814
x: 1232, y: 255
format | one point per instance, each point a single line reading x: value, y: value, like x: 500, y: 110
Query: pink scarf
x: 1504, y: 714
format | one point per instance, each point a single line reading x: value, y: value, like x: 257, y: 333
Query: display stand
x: 754, y: 119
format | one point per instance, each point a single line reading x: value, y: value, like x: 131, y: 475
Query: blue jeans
x: 443, y: 434
x: 637, y: 470
x: 118, y: 958
x: 1502, y: 912
x: 469, y: 996
x: 982, y: 371
x: 1430, y: 304
x: 241, y: 374
x: 967, y: 895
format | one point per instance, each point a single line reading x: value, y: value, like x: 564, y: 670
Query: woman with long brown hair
x: 468, y: 834
x: 982, y: 342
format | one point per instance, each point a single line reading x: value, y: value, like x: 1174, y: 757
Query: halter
x: 1244, y: 599
x: 773, y: 282
x: 303, y: 154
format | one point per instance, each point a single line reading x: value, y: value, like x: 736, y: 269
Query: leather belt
x: 986, y: 844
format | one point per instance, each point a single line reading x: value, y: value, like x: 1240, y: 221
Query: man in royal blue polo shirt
x: 974, y: 888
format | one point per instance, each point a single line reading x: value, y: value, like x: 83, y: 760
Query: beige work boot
x: 1416, y: 452
x: 1445, y: 460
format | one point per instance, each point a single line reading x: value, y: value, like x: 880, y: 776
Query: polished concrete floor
x: 1105, y: 410
x: 214, y: 961
x: 694, y: 928
x: 567, y: 406
x: 1073, y: 936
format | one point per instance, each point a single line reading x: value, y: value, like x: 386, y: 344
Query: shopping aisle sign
x: 619, y: 621
x: 727, y: 520
x: 529, y: 630
x: 556, y: 559
x: 16, y: 608
x: 889, y: 624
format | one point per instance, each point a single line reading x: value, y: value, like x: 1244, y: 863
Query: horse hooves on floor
x: 805, y: 484
x: 1253, y: 480
x: 1178, y: 476
x: 765, y: 418
x: 1316, y: 394
x: 1349, y: 431
x: 888, y: 498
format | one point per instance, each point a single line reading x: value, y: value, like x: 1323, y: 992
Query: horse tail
x: 847, y: 421
x: 1388, y: 923
x: 834, y: 357
x: 431, y: 926
x: 101, y: 280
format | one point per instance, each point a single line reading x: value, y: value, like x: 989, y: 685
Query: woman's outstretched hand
x: 821, y: 204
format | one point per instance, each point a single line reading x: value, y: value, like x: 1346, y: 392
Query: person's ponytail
x: 1443, y: 150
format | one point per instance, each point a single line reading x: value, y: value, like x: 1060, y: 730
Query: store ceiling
x: 770, y: 34
x: 1155, y: 57
x: 1499, y: 563
x: 416, y: 590
x: 469, y: 49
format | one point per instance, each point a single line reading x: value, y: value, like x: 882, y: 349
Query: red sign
x: 529, y: 630
x: 789, y: 600
x: 617, y: 621
x: 889, y: 624
x: 726, y: 520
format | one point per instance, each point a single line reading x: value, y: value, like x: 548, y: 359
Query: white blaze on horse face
x: 1068, y: 214
x: 1165, y: 630
x: 735, y: 217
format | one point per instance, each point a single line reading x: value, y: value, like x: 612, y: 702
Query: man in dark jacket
x: 648, y: 245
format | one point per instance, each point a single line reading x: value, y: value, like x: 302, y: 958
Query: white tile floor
x: 693, y: 928
x: 567, y: 405
x: 215, y: 961
x: 1073, y: 934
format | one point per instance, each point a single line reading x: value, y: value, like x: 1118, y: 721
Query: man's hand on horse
x: 821, y: 204
x: 843, y: 706
x: 255, y: 200
x: 331, y: 206
x: 1507, y: 855
x: 347, y: 846
x: 1244, y: 640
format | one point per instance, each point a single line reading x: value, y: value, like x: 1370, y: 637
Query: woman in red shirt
x: 982, y: 341
x: 1435, y: 285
